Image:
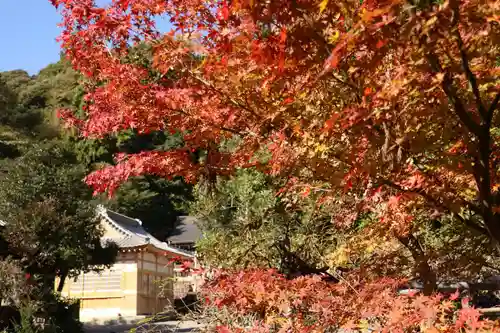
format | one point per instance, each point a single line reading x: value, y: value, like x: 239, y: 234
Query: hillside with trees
x: 30, y: 115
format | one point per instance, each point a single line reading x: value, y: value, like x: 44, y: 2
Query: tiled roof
x: 125, y: 242
x: 187, y: 231
x: 133, y: 234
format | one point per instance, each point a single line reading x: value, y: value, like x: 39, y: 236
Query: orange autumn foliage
x: 389, y: 105
x: 309, y: 304
x: 352, y: 95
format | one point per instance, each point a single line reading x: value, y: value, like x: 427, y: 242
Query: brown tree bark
x: 422, y: 267
x: 62, y: 280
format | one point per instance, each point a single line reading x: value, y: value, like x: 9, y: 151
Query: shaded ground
x: 159, y: 327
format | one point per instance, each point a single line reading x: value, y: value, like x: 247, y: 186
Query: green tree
x: 51, y: 223
x: 7, y: 97
x: 155, y: 201
x: 246, y: 225
x: 16, y: 80
x: 11, y: 112
x: 35, y: 99
x: 13, y: 283
x: 8, y: 148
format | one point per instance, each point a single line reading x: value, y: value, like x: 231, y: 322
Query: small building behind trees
x: 186, y: 234
x: 184, y: 237
x: 141, y: 282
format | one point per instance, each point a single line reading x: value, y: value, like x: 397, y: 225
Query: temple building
x: 141, y: 282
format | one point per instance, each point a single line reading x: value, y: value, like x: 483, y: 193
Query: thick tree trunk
x: 493, y: 228
x: 427, y: 276
x: 481, y: 130
x: 422, y: 268
x: 60, y: 286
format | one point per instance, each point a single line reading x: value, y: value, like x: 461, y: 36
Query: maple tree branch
x: 222, y: 128
x: 470, y: 76
x: 326, y: 45
x: 422, y: 266
x: 447, y: 86
x: 493, y: 107
x: 482, y: 131
x: 230, y: 130
x: 429, y: 198
x: 469, y: 223
x: 230, y: 99
x: 245, y: 254
x: 350, y: 85
x: 415, y: 191
x: 473, y: 226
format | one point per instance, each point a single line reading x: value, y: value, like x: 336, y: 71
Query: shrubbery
x: 258, y: 300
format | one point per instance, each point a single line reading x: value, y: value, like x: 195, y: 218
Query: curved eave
x: 102, y: 211
x: 139, y: 248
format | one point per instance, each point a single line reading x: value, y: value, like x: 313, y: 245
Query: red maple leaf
x: 174, y: 260
x: 222, y: 329
x: 225, y: 11
x: 454, y: 296
x: 186, y: 266
x: 380, y: 44
x: 394, y: 200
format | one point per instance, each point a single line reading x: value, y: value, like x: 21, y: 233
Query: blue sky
x: 28, y: 29
x: 28, y: 32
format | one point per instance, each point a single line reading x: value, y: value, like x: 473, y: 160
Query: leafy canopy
x: 246, y: 225
x: 389, y: 97
x: 380, y: 107
x: 52, y: 227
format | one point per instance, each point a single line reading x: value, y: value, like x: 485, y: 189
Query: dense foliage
x: 31, y: 106
x: 340, y: 129
x: 51, y: 231
x: 35, y: 99
x: 154, y: 200
x: 268, y: 302
x: 51, y: 224
x: 49, y: 227
x: 246, y: 225
x: 381, y: 113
